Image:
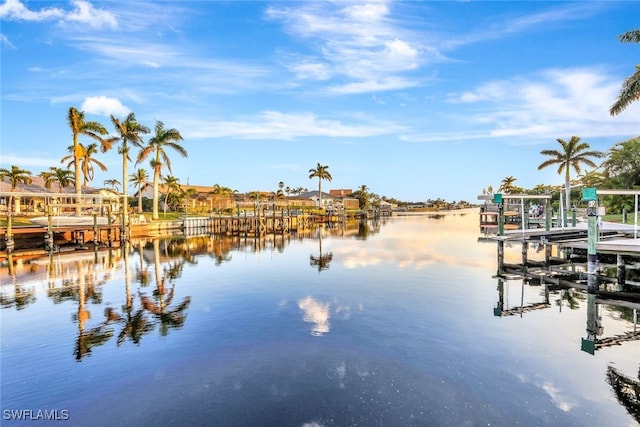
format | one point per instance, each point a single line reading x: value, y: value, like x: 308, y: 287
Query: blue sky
x: 414, y: 99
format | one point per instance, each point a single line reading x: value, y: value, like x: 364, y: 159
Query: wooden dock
x: 255, y: 226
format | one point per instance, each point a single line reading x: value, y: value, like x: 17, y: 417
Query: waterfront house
x: 32, y: 199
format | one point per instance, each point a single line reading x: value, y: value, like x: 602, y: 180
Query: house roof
x: 313, y: 194
x: 37, y: 186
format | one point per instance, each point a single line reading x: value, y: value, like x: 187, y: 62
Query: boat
x: 70, y: 220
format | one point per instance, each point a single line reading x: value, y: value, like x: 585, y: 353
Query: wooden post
x: 525, y: 250
x: 500, y: 257
x: 95, y: 229
x: 547, y: 254
x: 500, y: 219
x: 547, y: 215
x: 9, y: 242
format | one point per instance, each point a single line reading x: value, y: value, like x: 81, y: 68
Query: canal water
x: 383, y: 323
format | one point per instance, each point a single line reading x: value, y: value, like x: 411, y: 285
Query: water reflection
x: 316, y: 313
x: 605, y: 303
x: 627, y: 390
x: 321, y: 261
x: 22, y: 296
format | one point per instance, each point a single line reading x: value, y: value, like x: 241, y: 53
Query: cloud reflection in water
x: 317, y: 313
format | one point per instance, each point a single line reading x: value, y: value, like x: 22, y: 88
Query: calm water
x: 388, y: 324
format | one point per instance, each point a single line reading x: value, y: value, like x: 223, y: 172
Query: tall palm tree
x: 16, y: 176
x: 86, y: 161
x: 630, y: 90
x: 80, y: 126
x: 163, y: 138
x: 573, y: 154
x: 62, y: 177
x: 140, y: 179
x: 321, y: 172
x: 129, y: 132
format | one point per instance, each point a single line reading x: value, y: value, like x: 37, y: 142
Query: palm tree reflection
x: 159, y: 304
x: 98, y: 335
x: 135, y: 324
x: 321, y: 262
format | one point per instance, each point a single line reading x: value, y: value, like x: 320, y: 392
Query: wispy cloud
x: 358, y: 41
x: 4, y: 41
x: 276, y: 125
x: 553, y: 103
x: 82, y: 12
x: 25, y: 161
x: 502, y: 25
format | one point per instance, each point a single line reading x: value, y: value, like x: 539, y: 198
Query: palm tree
x: 321, y: 172
x: 572, y: 155
x: 63, y: 177
x: 86, y: 161
x: 114, y: 183
x: 220, y: 191
x: 141, y: 179
x: 592, y: 178
x: 16, y: 176
x: 506, y: 185
x: 630, y: 91
x: 129, y: 132
x: 79, y: 126
x: 162, y: 139
x: 171, y: 182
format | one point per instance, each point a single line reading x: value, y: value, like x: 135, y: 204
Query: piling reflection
x: 21, y: 296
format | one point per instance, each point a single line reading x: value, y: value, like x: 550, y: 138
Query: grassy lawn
x: 18, y: 221
x: 618, y: 218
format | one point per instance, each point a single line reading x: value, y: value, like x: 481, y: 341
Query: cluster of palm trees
x: 129, y: 132
x: 620, y: 168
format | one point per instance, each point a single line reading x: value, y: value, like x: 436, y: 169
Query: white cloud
x: 360, y: 42
x: 4, y: 41
x: 26, y: 161
x: 392, y: 83
x: 283, y: 126
x: 311, y: 70
x: 16, y: 10
x: 104, y: 106
x: 83, y: 12
x: 550, y: 104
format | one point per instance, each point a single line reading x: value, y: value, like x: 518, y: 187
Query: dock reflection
x: 568, y: 284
